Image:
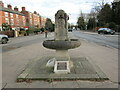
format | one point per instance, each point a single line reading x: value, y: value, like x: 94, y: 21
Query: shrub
x: 117, y: 28
x: 9, y: 33
x: 112, y: 25
x: 23, y: 33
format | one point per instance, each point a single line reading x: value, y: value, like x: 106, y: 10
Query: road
x: 105, y: 40
x: 19, y: 42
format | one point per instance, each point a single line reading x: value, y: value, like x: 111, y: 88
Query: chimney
x: 1, y: 4
x: 35, y: 12
x: 16, y: 9
x: 9, y: 6
x: 23, y: 9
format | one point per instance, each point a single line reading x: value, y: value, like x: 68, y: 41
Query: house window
x: 11, y: 14
x: 12, y: 22
x: 23, y: 19
x: 35, y: 22
x: 30, y: 21
x: 18, y: 22
x: 6, y: 14
x: 7, y: 20
x: 17, y: 19
x: 17, y: 16
x: 24, y: 23
x: 30, y: 15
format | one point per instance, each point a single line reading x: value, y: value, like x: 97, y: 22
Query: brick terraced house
x: 20, y: 19
x: 12, y: 17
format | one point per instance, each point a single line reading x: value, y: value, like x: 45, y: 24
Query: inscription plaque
x: 61, y: 66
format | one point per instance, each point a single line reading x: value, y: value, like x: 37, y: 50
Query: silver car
x: 3, y: 38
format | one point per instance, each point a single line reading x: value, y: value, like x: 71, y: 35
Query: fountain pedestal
x: 62, y: 63
x: 62, y: 55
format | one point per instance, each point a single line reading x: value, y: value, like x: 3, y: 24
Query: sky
x: 48, y: 8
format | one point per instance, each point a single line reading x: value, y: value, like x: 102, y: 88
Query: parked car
x: 69, y: 30
x: 106, y: 31
x: 3, y: 38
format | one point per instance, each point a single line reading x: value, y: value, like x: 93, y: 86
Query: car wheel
x: 101, y: 32
x: 112, y: 33
x: 4, y: 40
x: 105, y: 32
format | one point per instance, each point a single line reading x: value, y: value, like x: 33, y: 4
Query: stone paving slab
x: 40, y: 84
x: 65, y: 84
x: 82, y: 70
x: 3, y: 84
x: 94, y: 84
x: 17, y: 85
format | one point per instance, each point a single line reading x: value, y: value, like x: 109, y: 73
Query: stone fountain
x: 61, y: 44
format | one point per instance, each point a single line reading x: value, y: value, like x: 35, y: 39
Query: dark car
x: 106, y: 31
x: 69, y: 30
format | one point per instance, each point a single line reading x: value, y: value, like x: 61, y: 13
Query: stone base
x: 82, y: 70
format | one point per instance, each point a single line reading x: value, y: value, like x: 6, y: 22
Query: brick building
x: 12, y: 17
x: 42, y: 21
x: 36, y: 19
x: 17, y: 19
x: 33, y: 19
x: 29, y: 18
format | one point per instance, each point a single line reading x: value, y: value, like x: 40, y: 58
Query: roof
x: 10, y: 11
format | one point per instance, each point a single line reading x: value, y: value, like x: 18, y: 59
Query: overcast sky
x: 48, y: 8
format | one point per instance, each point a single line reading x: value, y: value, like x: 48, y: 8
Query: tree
x: 49, y: 25
x: 70, y: 25
x: 99, y: 5
x: 105, y: 15
x: 5, y: 26
x: 111, y: 25
x: 91, y: 24
x: 81, y: 23
x: 116, y: 12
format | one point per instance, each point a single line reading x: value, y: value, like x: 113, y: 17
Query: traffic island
x: 82, y: 70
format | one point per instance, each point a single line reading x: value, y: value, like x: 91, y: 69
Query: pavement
x: 15, y: 61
